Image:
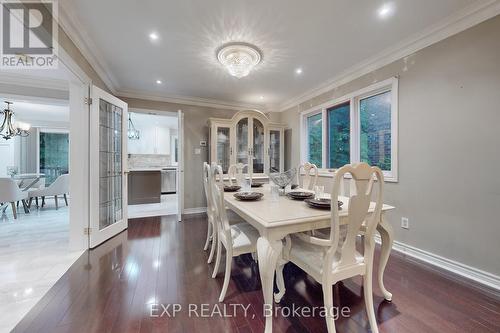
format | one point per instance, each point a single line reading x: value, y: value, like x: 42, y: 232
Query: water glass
x: 319, y: 190
x: 245, y: 185
x: 275, y: 192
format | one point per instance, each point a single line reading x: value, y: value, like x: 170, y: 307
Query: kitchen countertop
x: 152, y: 168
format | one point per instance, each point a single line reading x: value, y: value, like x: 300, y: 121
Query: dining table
x: 30, y: 178
x: 276, y: 217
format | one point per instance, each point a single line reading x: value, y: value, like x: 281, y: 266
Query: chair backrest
x: 343, y: 238
x: 220, y: 216
x: 308, y: 181
x: 60, y: 185
x: 9, y: 190
x: 206, y: 188
x: 235, y: 172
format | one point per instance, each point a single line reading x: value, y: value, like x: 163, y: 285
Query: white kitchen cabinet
x: 154, y: 140
x: 249, y: 138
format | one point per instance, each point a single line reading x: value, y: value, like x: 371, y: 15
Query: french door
x: 180, y: 165
x: 108, y: 166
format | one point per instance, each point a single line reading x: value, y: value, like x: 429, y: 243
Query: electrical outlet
x: 405, y: 223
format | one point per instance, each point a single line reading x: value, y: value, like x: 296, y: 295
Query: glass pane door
x: 108, y: 181
x: 242, y: 141
x: 110, y: 163
x: 274, y: 150
x: 258, y: 146
x: 223, y: 148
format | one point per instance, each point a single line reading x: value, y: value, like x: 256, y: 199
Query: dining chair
x: 335, y: 258
x: 235, y: 172
x: 308, y: 181
x: 212, y: 231
x: 11, y: 193
x: 60, y: 186
x: 237, y: 239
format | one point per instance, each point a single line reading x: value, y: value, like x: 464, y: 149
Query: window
x: 314, y: 139
x: 375, y: 134
x: 53, y: 155
x: 339, y: 134
x: 361, y: 126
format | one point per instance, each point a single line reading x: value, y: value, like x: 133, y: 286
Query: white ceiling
x: 144, y: 121
x: 38, y: 113
x: 323, y: 37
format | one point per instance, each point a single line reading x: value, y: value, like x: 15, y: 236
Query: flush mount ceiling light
x: 239, y: 58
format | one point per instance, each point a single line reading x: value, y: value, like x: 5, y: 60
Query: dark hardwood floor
x: 159, y: 261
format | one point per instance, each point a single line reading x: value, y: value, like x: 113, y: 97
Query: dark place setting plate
x: 231, y: 188
x: 248, y: 196
x: 257, y: 184
x: 321, y: 203
x: 300, y: 195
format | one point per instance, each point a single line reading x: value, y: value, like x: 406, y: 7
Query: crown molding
x: 68, y: 20
x: 194, y: 101
x: 33, y: 81
x: 470, y: 16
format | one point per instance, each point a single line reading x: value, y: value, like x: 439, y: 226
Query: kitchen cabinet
x: 155, y: 140
x: 249, y: 138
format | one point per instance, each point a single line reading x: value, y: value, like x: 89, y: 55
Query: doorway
x: 153, y: 163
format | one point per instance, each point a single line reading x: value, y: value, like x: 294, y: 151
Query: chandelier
x: 132, y: 133
x: 239, y: 58
x: 9, y: 127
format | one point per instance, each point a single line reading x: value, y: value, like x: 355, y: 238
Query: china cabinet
x: 249, y: 138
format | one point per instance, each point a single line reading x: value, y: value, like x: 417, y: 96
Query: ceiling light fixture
x: 239, y: 58
x: 159, y: 82
x: 261, y: 97
x: 11, y: 128
x: 386, y: 10
x: 154, y: 36
x: 298, y: 71
x: 132, y: 132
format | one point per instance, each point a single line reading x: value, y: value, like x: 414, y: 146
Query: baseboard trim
x: 195, y: 210
x: 487, y: 279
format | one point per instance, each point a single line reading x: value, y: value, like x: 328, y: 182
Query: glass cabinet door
x: 274, y: 150
x: 223, y: 148
x: 242, y: 141
x: 258, y: 146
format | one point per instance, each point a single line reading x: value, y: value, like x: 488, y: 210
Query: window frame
x: 354, y: 99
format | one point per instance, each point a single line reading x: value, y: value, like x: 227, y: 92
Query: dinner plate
x: 248, y: 196
x: 231, y: 188
x: 257, y: 184
x: 300, y: 195
x: 321, y: 203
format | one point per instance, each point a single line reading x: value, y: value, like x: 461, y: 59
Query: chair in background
x: 11, y: 193
x: 212, y: 231
x: 236, y: 175
x: 329, y: 260
x: 237, y: 239
x: 308, y: 181
x: 60, y: 186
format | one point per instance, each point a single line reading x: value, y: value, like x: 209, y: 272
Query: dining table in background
x: 32, y: 178
x: 277, y: 217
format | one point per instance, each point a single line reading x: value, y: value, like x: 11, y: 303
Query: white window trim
x: 354, y: 98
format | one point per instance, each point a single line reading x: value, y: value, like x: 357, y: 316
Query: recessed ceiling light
x: 298, y: 71
x: 153, y: 36
x: 386, y: 10
x: 261, y: 97
x: 159, y: 82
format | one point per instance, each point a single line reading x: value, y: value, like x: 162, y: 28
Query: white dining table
x: 275, y: 218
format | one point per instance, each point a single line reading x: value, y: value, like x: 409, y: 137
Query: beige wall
x: 195, y: 130
x: 449, y: 127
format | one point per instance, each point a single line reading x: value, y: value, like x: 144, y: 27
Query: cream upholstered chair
x: 212, y: 231
x: 236, y: 175
x: 308, y: 181
x: 10, y: 193
x: 60, y: 186
x: 329, y: 260
x: 237, y: 239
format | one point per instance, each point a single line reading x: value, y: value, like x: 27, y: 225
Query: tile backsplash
x: 148, y: 160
